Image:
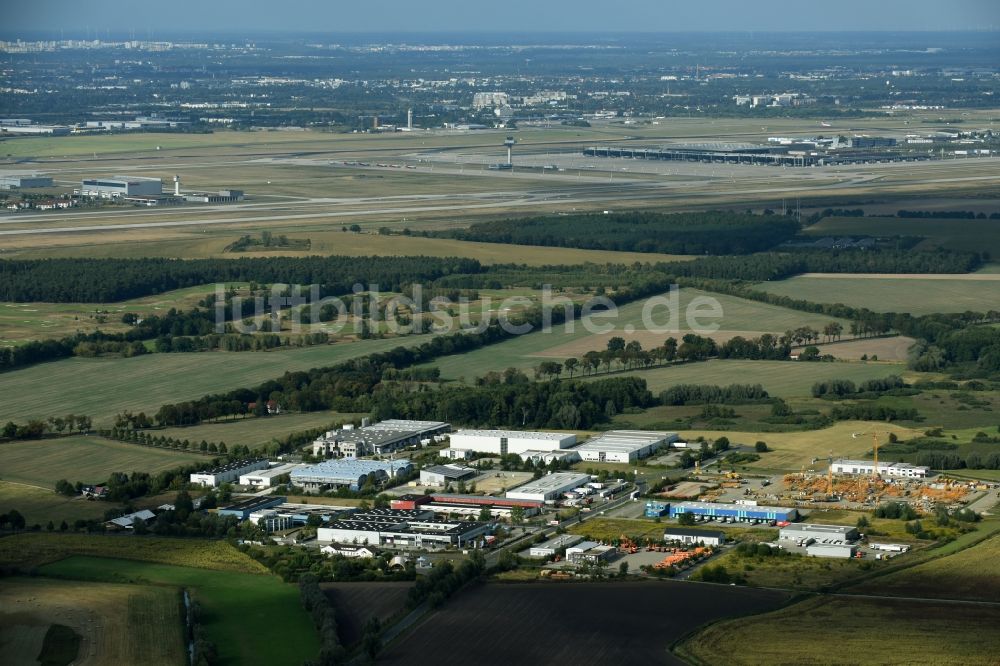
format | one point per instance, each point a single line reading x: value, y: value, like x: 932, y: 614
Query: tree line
x: 844, y: 388
x: 631, y: 355
x: 766, y: 266
x: 68, y: 280
x: 710, y: 232
x: 976, y: 348
x: 324, y: 617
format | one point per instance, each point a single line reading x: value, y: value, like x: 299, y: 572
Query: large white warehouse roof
x: 515, y: 434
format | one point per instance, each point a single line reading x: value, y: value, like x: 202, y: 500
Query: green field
x: 103, y: 387
x: 740, y: 316
x: 973, y: 573
x: 39, y: 506
x: 83, y: 458
x: 252, y: 619
x: 852, y: 630
x: 611, y: 529
x: 22, y: 322
x: 799, y: 573
x: 256, y: 432
x: 916, y: 295
x: 781, y: 378
x: 964, y: 235
x: 984, y: 474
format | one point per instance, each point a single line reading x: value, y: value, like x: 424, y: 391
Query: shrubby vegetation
x: 293, y: 563
x: 843, y: 388
x: 444, y: 579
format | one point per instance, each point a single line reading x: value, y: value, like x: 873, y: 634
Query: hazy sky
x: 498, y: 15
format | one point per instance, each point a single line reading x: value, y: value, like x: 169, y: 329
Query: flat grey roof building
x: 549, y: 548
x: 549, y: 486
x: 819, y: 532
x: 685, y: 535
x: 377, y: 439
x: 624, y: 445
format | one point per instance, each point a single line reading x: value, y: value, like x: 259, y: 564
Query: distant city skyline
x: 398, y: 16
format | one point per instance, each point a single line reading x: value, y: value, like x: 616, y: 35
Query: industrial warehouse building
x: 625, y: 446
x: 819, y: 533
x: 734, y: 512
x: 402, y: 529
x: 129, y: 520
x: 553, y: 545
x: 352, y: 552
x: 243, y: 510
x: 420, y: 501
x: 286, y: 515
x: 503, y: 442
x: 456, y: 454
x: 591, y: 552
x: 116, y: 187
x: 265, y: 478
x: 378, y: 439
x: 21, y: 182
x: 842, y: 550
x: 686, y: 536
x: 270, y: 520
x: 549, y: 487
x: 656, y: 509
x: 890, y: 469
x: 442, y: 475
x: 349, y: 472
x: 568, y: 456
x: 229, y: 473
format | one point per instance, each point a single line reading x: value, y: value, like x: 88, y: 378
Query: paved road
x: 986, y: 503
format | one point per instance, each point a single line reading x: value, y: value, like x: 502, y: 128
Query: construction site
x: 859, y: 483
x: 830, y: 482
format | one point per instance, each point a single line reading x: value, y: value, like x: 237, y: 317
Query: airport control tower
x: 509, y: 142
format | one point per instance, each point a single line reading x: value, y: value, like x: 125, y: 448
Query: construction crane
x: 855, y: 435
x: 829, y: 476
x: 876, y: 477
